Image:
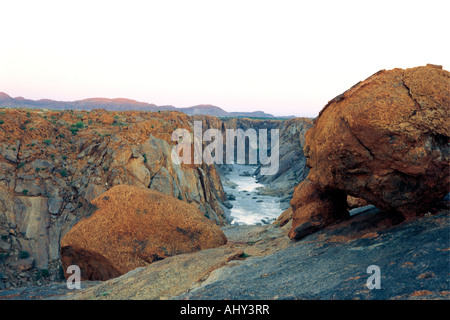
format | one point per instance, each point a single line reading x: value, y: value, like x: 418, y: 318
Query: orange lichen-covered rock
x: 385, y: 140
x: 314, y: 209
x: 132, y: 227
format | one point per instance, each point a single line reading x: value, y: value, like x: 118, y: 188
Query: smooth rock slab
x: 413, y: 259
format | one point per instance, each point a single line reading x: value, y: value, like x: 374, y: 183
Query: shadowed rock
x: 314, y: 209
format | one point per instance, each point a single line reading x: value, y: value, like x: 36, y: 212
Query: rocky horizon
x: 123, y: 104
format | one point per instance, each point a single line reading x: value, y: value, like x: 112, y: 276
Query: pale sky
x: 281, y: 57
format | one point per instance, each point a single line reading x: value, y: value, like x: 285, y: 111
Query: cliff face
x: 292, y: 161
x: 249, y: 123
x: 210, y: 122
x: 52, y: 164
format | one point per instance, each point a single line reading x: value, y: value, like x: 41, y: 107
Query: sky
x: 282, y: 57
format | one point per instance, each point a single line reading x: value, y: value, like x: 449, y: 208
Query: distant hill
x: 86, y: 104
x: 121, y: 104
x: 219, y: 112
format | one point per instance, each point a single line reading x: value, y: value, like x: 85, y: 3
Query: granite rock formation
x: 132, y: 227
x: 385, y: 140
x: 54, y: 163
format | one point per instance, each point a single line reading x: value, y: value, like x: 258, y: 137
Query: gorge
x: 99, y: 188
x: 54, y: 163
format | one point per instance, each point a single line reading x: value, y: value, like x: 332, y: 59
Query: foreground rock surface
x: 162, y: 280
x: 132, y: 227
x: 330, y: 264
x: 260, y: 262
x: 385, y: 140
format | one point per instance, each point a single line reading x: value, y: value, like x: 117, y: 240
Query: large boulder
x: 132, y: 227
x: 385, y: 140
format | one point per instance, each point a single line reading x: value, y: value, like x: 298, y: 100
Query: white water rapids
x: 249, y: 208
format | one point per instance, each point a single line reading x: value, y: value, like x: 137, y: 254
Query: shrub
x: 24, y: 192
x: 23, y: 254
x: 117, y: 123
x: 80, y: 124
x: 63, y: 173
x: 244, y: 255
x: 75, y: 127
x: 47, y: 141
x: 3, y: 255
x: 42, y: 273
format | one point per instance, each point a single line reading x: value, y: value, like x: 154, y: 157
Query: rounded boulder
x: 133, y: 227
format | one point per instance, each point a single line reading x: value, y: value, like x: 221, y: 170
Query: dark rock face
x: 292, y: 162
x: 385, y: 140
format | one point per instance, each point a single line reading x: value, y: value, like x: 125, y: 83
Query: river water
x: 249, y: 208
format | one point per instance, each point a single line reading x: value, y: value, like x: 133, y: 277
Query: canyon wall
x: 54, y: 163
x: 292, y: 168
